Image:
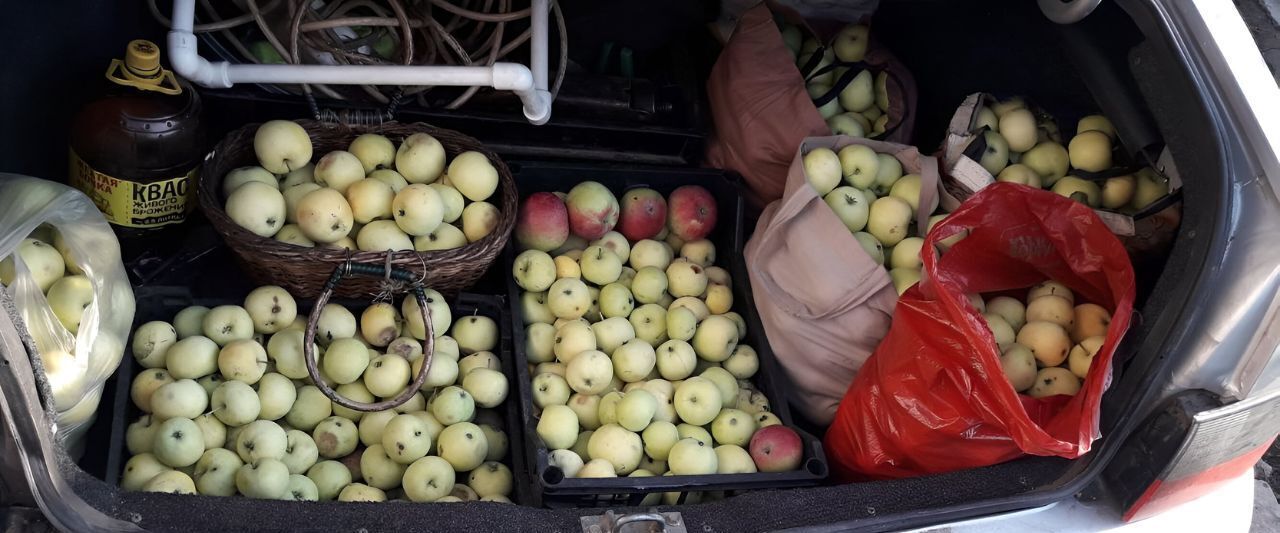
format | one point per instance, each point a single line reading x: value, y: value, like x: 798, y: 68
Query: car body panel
x: 1239, y: 340
x: 1229, y: 509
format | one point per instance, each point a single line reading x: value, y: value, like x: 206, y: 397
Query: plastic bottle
x: 136, y: 150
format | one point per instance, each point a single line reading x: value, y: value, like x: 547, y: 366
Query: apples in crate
x: 229, y: 407
x: 631, y: 339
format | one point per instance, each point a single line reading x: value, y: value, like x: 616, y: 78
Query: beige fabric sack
x: 825, y: 304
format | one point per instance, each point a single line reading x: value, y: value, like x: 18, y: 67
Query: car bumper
x: 1227, y: 509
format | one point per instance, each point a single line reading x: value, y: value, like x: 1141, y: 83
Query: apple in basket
x: 372, y: 196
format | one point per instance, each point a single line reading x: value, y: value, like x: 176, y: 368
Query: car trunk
x: 1119, y: 60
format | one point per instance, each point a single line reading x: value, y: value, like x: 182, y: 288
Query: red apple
x: 644, y: 213
x: 691, y: 212
x: 542, y: 222
x: 776, y: 449
x: 593, y: 210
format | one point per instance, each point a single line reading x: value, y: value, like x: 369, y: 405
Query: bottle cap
x: 141, y: 69
x: 142, y: 58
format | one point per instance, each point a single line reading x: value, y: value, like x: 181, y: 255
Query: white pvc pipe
x: 538, y: 42
x: 540, y: 96
x: 530, y: 86
x: 184, y: 16
x: 340, y: 74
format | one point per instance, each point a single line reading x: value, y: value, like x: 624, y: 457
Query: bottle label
x: 133, y: 204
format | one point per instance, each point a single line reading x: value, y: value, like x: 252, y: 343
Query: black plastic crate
x: 636, y: 95
x: 163, y: 302
x: 580, y: 127
x: 548, y: 484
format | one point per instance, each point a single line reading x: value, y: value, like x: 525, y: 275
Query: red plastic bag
x: 933, y: 398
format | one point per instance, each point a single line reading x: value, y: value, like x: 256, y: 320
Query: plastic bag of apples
x: 60, y: 262
x: 782, y: 78
x: 940, y: 394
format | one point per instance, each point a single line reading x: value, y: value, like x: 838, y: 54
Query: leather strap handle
x: 340, y: 273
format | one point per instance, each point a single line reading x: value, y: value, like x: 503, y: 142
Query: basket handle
x: 428, y: 346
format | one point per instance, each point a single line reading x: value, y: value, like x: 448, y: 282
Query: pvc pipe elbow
x: 184, y: 57
x: 512, y: 77
x: 537, y: 107
x: 1068, y: 11
x: 519, y: 79
x: 186, y: 62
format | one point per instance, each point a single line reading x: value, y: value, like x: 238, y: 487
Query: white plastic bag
x: 75, y: 364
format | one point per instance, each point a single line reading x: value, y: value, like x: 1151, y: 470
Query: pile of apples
x: 862, y: 106
x: 372, y: 196
x: 636, y: 355
x: 1026, y: 148
x: 877, y: 203
x: 230, y: 408
x: 1048, y: 343
x: 69, y: 293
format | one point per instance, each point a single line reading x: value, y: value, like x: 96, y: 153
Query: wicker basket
x: 303, y: 271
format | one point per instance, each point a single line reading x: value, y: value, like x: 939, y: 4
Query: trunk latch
x: 652, y: 522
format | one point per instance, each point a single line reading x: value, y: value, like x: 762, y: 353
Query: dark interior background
x: 57, y: 55
x: 62, y: 58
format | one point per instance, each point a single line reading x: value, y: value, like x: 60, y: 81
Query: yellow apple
x: 822, y: 170
x: 243, y: 175
x: 370, y: 199
x: 257, y: 207
x: 1081, y: 357
x: 325, y: 216
x: 1117, y: 192
x: 850, y: 44
x: 1080, y: 190
x: 1049, y: 159
x: 1020, y: 174
x: 420, y: 158
x: 282, y: 146
x: 1090, y: 151
x: 473, y: 175
x: 479, y: 219
x: 1096, y: 123
x: 1047, y: 340
x: 889, y: 219
x: 1018, y: 127
x: 338, y: 170
x: 1151, y: 187
x: 374, y: 151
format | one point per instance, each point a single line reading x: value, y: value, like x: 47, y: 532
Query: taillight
x: 1189, y: 448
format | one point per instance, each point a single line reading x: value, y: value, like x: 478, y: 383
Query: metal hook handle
x: 428, y: 346
x: 1068, y: 11
x: 652, y: 518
